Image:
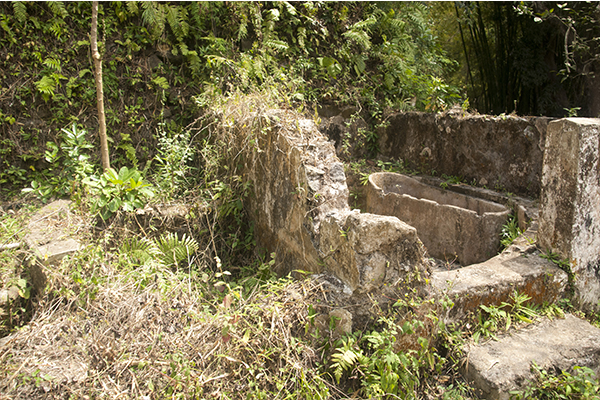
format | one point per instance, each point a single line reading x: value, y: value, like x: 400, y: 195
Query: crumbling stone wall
x: 503, y: 152
x: 300, y: 209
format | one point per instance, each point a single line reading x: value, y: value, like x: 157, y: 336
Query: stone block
x: 519, y: 268
x: 7, y: 296
x: 570, y: 202
x: 495, y: 368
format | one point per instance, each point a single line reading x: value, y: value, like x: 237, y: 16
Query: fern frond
x: 290, y: 8
x: 53, y: 63
x: 20, y: 10
x: 195, y: 12
x: 154, y: 17
x: 364, y: 24
x: 58, y: 9
x: 183, y: 18
x: 359, y: 37
x: 174, y: 250
x: 132, y: 7
x: 195, y: 62
x: 139, y: 251
x: 176, y: 17
x: 46, y: 85
x: 276, y: 44
x: 344, y: 359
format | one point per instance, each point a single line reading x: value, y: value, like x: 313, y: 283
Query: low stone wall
x: 503, y: 153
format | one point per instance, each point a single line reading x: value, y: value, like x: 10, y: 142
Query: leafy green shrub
x: 383, y: 370
x: 69, y: 165
x: 124, y: 190
x: 174, y: 154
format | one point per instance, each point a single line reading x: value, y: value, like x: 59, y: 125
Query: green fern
x: 276, y: 44
x: 4, y: 23
x: 132, y: 7
x: 196, y: 14
x: 58, y: 9
x: 53, y: 63
x: 161, y: 82
x: 345, y: 358
x: 20, y: 10
x: 168, y: 250
x: 173, y: 250
x: 359, y: 37
x: 138, y: 251
x: 127, y: 146
x: 46, y: 86
x: 154, y: 17
x: 195, y: 62
x: 177, y: 19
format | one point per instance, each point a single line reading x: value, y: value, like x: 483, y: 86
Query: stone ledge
x: 520, y: 268
x: 495, y: 368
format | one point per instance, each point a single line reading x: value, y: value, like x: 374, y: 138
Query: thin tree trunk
x: 462, y: 38
x: 99, y: 90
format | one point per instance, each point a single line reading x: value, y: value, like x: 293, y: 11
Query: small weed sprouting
x: 493, y: 319
x: 392, y: 166
x: 510, y: 231
x: 450, y: 180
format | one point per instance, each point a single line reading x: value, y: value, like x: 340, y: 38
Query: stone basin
x: 453, y: 227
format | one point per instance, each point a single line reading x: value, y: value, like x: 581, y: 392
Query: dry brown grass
x: 170, y: 339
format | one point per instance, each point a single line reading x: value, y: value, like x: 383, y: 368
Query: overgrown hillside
x: 164, y: 62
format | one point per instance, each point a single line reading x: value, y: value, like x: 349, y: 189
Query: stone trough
x: 452, y: 226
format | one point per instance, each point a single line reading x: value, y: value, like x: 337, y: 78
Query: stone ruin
x: 301, y: 212
x: 455, y: 227
x: 300, y: 209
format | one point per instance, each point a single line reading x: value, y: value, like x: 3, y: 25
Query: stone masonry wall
x: 503, y: 153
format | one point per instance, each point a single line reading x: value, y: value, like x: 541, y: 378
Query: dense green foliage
x: 159, y: 56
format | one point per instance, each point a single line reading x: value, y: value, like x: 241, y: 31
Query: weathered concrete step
x: 519, y: 268
x: 495, y: 368
x: 50, y: 239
